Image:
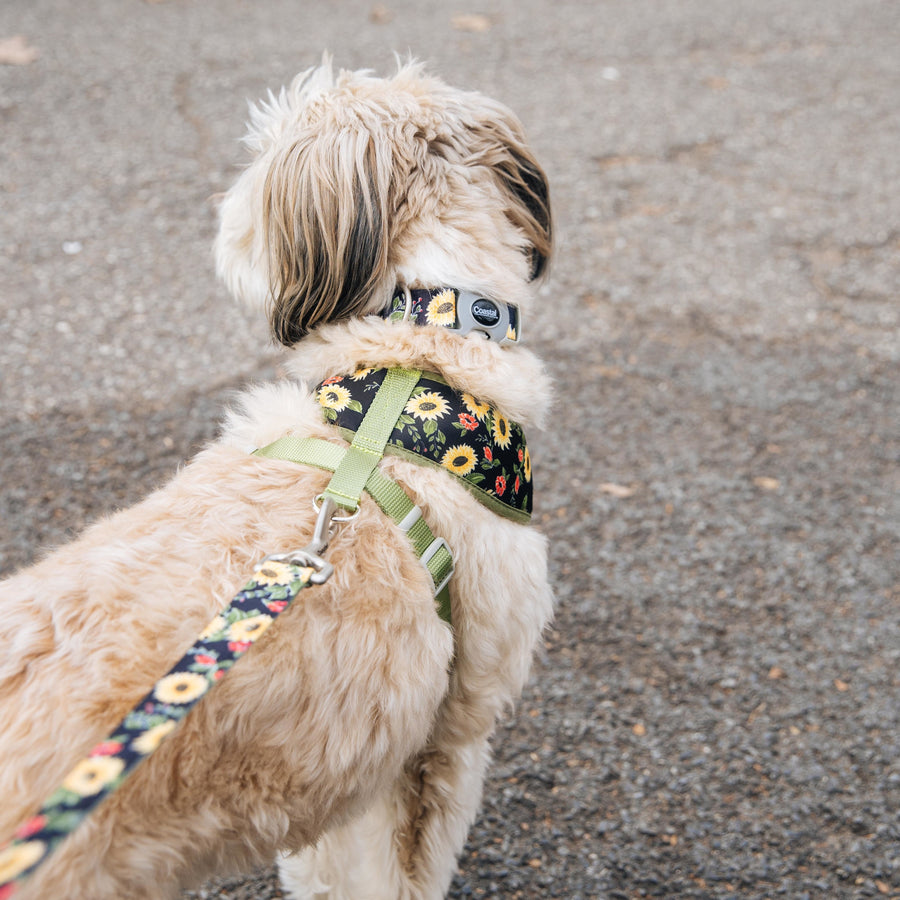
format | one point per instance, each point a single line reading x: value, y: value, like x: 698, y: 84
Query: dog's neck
x: 461, y: 312
x: 510, y: 376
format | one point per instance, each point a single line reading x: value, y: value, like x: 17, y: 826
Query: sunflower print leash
x: 272, y: 588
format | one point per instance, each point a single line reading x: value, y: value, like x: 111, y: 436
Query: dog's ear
x: 498, y: 141
x: 326, y: 208
x: 526, y: 181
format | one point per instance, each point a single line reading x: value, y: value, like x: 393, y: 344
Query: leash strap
x: 272, y: 588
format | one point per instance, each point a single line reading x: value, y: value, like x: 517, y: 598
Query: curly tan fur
x: 353, y: 737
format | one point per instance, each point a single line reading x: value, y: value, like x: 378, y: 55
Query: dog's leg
x: 355, y: 861
x: 440, y: 795
x: 406, y: 845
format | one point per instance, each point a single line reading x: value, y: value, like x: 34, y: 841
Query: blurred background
x: 716, y: 712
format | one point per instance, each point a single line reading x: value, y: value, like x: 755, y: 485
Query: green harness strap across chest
x: 355, y: 470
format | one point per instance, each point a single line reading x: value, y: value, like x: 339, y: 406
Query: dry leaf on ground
x: 380, y: 14
x: 474, y: 22
x: 616, y: 490
x: 16, y: 51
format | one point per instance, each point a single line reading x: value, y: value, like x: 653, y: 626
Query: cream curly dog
x: 353, y: 738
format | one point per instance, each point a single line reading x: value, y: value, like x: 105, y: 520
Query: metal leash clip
x: 311, y: 555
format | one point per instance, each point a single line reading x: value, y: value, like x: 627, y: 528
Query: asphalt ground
x: 716, y: 712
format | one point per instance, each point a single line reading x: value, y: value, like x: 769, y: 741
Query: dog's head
x: 358, y: 183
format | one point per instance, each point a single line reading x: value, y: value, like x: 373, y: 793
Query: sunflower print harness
x: 443, y: 427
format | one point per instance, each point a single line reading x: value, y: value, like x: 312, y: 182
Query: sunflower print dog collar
x: 445, y: 428
x: 460, y: 311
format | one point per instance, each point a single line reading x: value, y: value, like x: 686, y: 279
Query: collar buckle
x: 462, y: 312
x: 499, y: 321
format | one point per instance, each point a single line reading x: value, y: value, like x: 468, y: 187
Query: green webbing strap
x: 367, y: 449
x: 389, y: 496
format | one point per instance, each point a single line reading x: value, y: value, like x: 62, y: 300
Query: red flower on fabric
x: 32, y: 826
x: 516, y: 485
x: 470, y: 422
x: 500, y: 486
x: 488, y: 455
x: 521, y: 455
x: 8, y: 890
x: 107, y: 748
x: 239, y: 646
x: 218, y: 674
x: 277, y: 606
x: 335, y: 379
x: 205, y: 660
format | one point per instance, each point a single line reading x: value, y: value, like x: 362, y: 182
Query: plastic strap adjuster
x: 437, y: 567
x: 410, y: 519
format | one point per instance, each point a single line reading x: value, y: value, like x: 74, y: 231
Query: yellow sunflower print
x: 479, y: 410
x: 334, y: 396
x: 249, y: 629
x: 152, y: 738
x: 16, y: 859
x: 359, y: 374
x: 214, y: 627
x: 526, y: 462
x: 441, y: 309
x: 91, y: 775
x: 460, y: 459
x: 272, y: 572
x: 180, y: 687
x: 427, y: 405
x: 502, y: 436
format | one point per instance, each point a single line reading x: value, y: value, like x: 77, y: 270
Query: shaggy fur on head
x: 359, y: 182
x: 353, y: 738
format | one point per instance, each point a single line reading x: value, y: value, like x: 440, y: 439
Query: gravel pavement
x: 716, y: 711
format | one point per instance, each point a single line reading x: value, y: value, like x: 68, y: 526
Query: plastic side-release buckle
x: 499, y: 321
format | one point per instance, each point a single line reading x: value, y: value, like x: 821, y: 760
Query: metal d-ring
x: 332, y: 507
x: 407, y: 310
